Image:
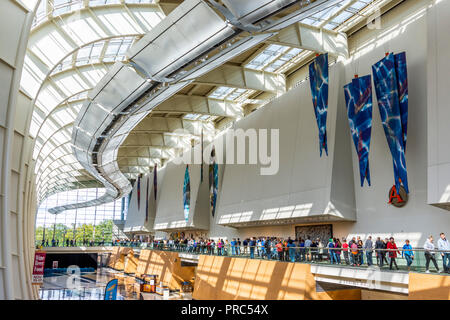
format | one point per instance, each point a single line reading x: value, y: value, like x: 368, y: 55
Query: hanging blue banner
x: 213, y: 181
x: 358, y: 99
x: 186, y: 194
x: 318, y: 79
x: 402, y: 88
x: 146, y: 198
x: 139, y: 192
x: 386, y: 87
x: 111, y: 289
x: 155, y: 180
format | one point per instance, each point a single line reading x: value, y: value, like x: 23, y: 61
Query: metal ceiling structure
x: 77, y: 48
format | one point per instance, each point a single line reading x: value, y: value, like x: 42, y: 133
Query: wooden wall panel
x: 220, y: 278
x: 131, y: 263
x: 166, y: 265
x: 429, y: 287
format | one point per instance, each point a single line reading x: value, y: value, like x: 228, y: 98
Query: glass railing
x: 402, y: 260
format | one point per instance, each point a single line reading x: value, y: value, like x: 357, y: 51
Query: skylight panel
x: 204, y: 117
x: 191, y: 116
x: 221, y: 92
x: 235, y: 94
x: 359, y: 5
x: 342, y: 17
x: 266, y: 56
x: 94, y: 3
x: 139, y: 1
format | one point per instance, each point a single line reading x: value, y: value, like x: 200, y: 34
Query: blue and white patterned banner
x: 358, y: 99
x: 213, y: 181
x: 186, y: 193
x: 391, y: 87
x: 318, y: 79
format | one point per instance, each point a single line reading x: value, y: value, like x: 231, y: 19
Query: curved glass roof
x: 72, y: 45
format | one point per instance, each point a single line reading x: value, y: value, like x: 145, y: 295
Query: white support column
x: 15, y: 23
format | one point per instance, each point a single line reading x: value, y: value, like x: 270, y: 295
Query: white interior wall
x: 404, y: 28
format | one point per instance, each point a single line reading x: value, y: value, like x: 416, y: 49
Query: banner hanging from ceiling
x: 318, y: 79
x: 358, y: 99
x: 139, y: 192
x: 155, y: 180
x: 391, y: 87
x: 146, y: 198
x: 213, y: 181
x: 186, y: 194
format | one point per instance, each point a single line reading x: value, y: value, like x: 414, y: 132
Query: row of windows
x: 90, y: 215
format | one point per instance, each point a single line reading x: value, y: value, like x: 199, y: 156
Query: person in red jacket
x: 392, y: 247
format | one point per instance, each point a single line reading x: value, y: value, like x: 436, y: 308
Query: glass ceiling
x: 278, y: 58
x: 74, y: 42
x: 67, y: 55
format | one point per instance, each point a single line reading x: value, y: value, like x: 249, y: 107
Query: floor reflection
x: 88, y: 286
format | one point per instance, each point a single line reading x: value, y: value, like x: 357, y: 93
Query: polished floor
x: 87, y: 286
x: 91, y: 286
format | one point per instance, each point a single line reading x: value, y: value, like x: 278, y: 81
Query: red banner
x: 38, y: 267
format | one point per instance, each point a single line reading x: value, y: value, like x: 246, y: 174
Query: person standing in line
x: 345, y: 250
x: 233, y: 246
x: 219, y: 247
x: 361, y: 251
x: 337, y: 252
x: 331, y: 252
x: 252, y: 245
x: 301, y: 244
x: 429, y: 254
x: 368, y: 247
x: 238, y: 248
x: 392, y: 247
x: 355, y: 253
x: 387, y: 258
x: 291, y: 249
x: 379, y: 251
x: 279, y: 246
x: 308, y: 243
x: 444, y: 247
x: 353, y: 240
x: 408, y: 254
x: 245, y: 243
x: 320, y: 246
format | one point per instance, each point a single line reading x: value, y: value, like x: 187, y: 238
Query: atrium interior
x: 225, y: 149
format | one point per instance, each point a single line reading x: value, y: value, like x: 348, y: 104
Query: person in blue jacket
x: 331, y: 251
x: 291, y: 248
x: 252, y: 245
x: 408, y: 254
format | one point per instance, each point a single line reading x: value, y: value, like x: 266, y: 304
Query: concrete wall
x: 306, y: 185
x: 438, y: 96
x: 403, y: 29
x: 135, y: 222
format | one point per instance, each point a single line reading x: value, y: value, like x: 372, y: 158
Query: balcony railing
x: 406, y: 260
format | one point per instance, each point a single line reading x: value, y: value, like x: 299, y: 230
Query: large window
x: 83, y: 224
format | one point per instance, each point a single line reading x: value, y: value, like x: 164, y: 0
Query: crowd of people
x: 354, y: 252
